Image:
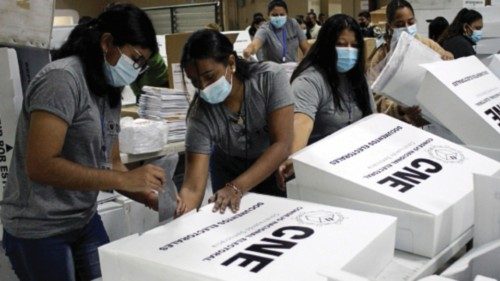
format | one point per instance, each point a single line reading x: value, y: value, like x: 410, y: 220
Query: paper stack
x: 168, y: 104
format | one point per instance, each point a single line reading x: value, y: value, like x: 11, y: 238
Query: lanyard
x: 104, y: 149
x: 283, y: 42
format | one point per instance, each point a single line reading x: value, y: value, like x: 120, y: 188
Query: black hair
x: 84, y: 20
x: 258, y: 15
x: 211, y: 44
x: 312, y: 14
x: 276, y: 3
x: 391, y: 10
x: 253, y: 29
x: 365, y: 14
x: 323, y: 56
x: 394, y: 6
x: 464, y: 16
x: 436, y: 28
x: 127, y: 24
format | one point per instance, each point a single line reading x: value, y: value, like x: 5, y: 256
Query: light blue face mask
x: 476, y: 35
x: 412, y: 30
x: 123, y: 73
x: 218, y: 91
x: 278, y: 21
x: 346, y: 58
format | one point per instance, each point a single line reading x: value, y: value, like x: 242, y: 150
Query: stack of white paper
x: 402, y: 76
x: 168, y: 104
x: 142, y: 136
x: 464, y: 95
x: 270, y: 238
x: 380, y: 164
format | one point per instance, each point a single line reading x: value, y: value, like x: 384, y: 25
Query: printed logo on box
x: 320, y: 218
x: 446, y: 154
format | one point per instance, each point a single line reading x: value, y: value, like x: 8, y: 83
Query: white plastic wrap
x: 142, y: 136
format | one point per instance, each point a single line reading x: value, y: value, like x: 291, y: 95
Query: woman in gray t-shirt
x: 329, y: 87
x: 280, y: 38
x: 240, y: 122
x: 66, y: 149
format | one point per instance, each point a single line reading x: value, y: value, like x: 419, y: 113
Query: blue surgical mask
x: 412, y: 30
x: 123, y: 73
x: 476, y: 35
x: 346, y: 58
x: 278, y: 21
x: 218, y: 91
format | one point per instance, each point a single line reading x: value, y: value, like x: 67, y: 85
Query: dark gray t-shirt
x: 313, y: 97
x: 272, y: 41
x: 33, y: 210
x: 215, y: 126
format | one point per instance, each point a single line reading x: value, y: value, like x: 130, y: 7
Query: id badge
x: 105, y: 166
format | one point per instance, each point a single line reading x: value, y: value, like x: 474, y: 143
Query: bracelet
x: 235, y: 188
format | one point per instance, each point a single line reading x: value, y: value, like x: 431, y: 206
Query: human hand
x: 229, y: 196
x: 143, y: 179
x: 181, y: 207
x: 151, y: 200
x: 247, y: 52
x: 447, y: 56
x: 285, y: 170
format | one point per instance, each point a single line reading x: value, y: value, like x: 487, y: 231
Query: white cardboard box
x: 402, y: 76
x: 487, y: 208
x: 488, y: 46
x: 380, y: 164
x: 11, y: 97
x: 493, y: 63
x: 270, y: 238
x: 464, y: 95
x: 481, y: 261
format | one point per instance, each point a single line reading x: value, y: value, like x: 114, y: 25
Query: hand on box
x: 151, y: 200
x: 229, y: 196
x: 181, y: 207
x: 447, y: 56
x: 145, y: 178
x: 285, y: 171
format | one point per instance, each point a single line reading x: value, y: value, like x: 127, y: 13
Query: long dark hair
x: 323, y: 56
x: 256, y: 21
x: 437, y: 27
x: 464, y: 16
x: 390, y: 11
x: 127, y: 24
x: 211, y: 44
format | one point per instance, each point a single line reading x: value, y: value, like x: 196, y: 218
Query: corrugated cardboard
x: 175, y: 45
x: 270, y: 238
x: 380, y: 164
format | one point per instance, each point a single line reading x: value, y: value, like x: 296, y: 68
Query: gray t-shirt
x: 34, y: 210
x: 313, y: 97
x: 215, y: 126
x: 272, y: 40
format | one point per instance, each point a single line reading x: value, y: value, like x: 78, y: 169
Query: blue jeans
x: 70, y: 256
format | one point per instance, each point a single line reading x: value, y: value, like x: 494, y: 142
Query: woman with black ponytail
x: 66, y: 149
x: 329, y: 86
x: 239, y: 123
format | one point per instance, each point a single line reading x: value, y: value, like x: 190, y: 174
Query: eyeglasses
x: 140, y: 63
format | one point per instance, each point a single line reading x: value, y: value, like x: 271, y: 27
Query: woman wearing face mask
x: 66, y: 149
x: 239, y: 123
x: 463, y: 33
x: 329, y: 86
x: 400, y: 18
x: 279, y: 38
